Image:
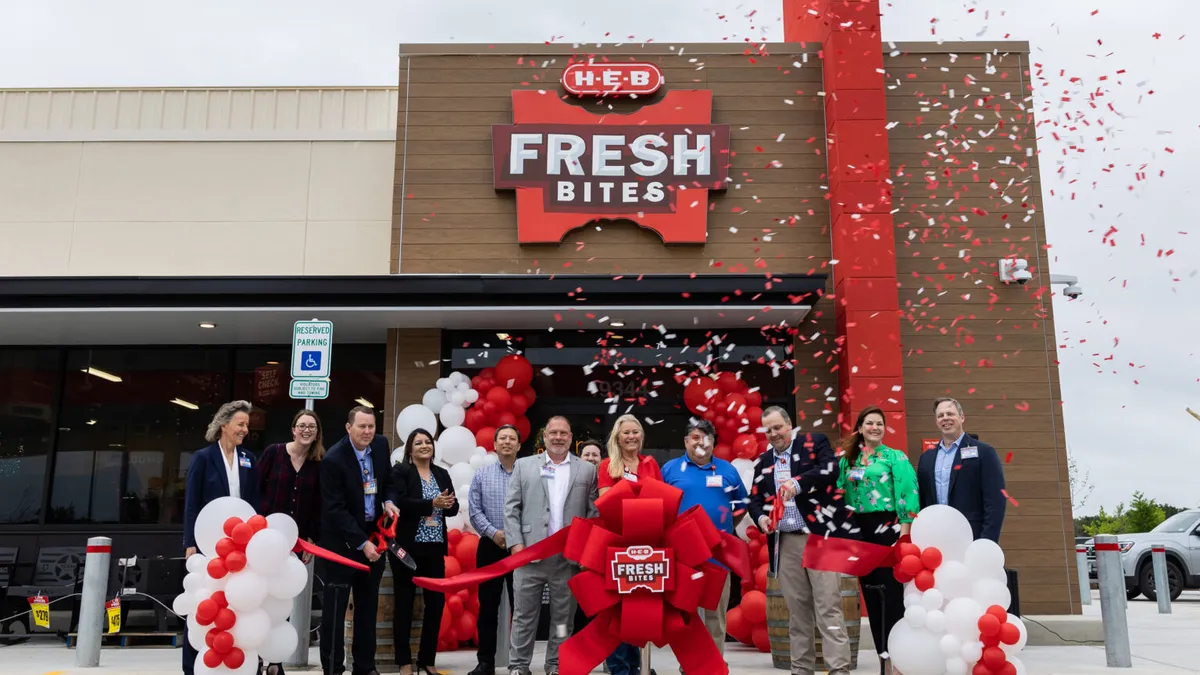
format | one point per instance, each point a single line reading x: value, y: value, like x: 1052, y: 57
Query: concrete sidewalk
x: 1161, y: 644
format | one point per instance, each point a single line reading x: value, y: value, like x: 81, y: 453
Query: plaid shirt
x: 284, y: 490
x: 489, y: 487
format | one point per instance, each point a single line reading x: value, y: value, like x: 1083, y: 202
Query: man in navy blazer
x: 964, y: 473
x: 355, y: 480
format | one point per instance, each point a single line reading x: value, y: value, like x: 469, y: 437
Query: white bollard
x: 1112, y: 601
x: 91, y: 606
x: 1162, y: 582
x: 503, y: 628
x: 1085, y: 579
x: 301, y: 620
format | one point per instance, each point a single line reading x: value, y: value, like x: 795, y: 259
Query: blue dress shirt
x: 944, y: 467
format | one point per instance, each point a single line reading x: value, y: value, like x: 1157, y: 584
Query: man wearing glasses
x: 545, y: 493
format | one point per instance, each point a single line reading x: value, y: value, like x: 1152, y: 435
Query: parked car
x: 1180, y: 535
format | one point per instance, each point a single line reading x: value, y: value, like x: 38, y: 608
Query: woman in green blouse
x: 880, y: 487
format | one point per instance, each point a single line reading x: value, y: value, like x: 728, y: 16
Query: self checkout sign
x: 312, y: 351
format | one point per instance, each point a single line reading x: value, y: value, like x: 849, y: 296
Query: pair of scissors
x: 384, y: 537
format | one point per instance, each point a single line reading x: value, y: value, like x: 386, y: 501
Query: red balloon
x: 734, y: 406
x: 488, y: 374
x: 754, y: 607
x: 208, y: 637
x: 242, y: 534
x: 736, y: 624
x: 475, y: 419
x: 988, y: 625
x: 472, y: 604
x: 489, y: 408
x: 763, y: 558
x: 1007, y: 669
x: 206, y: 611
x: 454, y: 536
x: 500, y: 397
x: 901, y: 576
x: 529, y: 395
x: 931, y: 557
x: 523, y: 428
x: 762, y: 641
x: 911, y: 565
x: 1009, y: 633
x: 230, y: 523
x: 453, y: 569
x: 753, y: 534
x: 993, y: 657
x: 518, y: 405
x: 219, y: 598
x: 906, y: 549
x: 760, y: 578
x: 465, y: 628
x: 257, y: 522
x: 465, y: 551
x: 709, y: 414
x: 720, y: 421
x: 999, y: 612
x: 211, y: 658
x: 514, y: 372
x: 745, y: 446
x: 698, y: 395
x: 754, y: 399
x: 981, y: 669
x: 454, y: 605
x: 486, y: 438
x: 506, y: 417
x: 990, y: 640
x: 924, y: 580
x: 222, y: 641
x: 728, y: 382
x: 754, y: 417
x: 447, y: 622
x: 235, y: 562
x: 216, y: 568
x: 484, y: 386
x: 754, y: 543
x: 225, y: 546
x: 724, y: 451
x: 235, y: 658
x: 225, y: 619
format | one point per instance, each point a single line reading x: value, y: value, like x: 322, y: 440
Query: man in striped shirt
x: 486, y: 509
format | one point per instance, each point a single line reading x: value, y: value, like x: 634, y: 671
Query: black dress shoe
x: 483, y: 669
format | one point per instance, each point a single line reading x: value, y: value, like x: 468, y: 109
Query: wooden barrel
x: 385, y: 651
x: 777, y: 624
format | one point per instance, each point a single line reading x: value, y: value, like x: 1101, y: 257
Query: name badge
x: 970, y: 453
x: 547, y: 471
x: 244, y: 462
x: 431, y: 521
x: 857, y: 473
x: 369, y: 487
x: 631, y: 476
x: 782, y: 476
x: 713, y: 481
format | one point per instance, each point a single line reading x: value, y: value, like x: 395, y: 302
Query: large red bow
x: 635, y: 514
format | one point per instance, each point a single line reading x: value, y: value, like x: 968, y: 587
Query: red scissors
x: 384, y: 538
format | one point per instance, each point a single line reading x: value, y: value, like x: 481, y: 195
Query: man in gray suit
x: 546, y: 492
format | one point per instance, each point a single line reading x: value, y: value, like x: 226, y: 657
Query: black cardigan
x: 406, y: 495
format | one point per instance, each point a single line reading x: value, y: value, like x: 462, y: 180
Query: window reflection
x: 28, y: 381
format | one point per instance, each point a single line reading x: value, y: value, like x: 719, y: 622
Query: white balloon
x: 249, y: 666
x: 246, y: 591
x: 1013, y: 649
x: 462, y: 388
x: 461, y: 472
x: 972, y: 652
x: 951, y: 646
x: 455, y: 445
x: 932, y: 599
x: 434, y: 399
x: 742, y: 465
x: 915, y: 615
x: 953, y: 580
x: 911, y: 599
x: 990, y: 591
x: 490, y: 458
x: 266, y: 552
x: 470, y: 396
x: 290, y: 580
x: 742, y: 528
x: 1017, y: 665
x: 456, y: 522
x: 251, y: 629
x: 198, y: 563
x: 196, y: 634
x: 397, y: 455
x: 280, y: 643
x: 444, y: 384
x: 184, y: 603
x: 944, y: 528
x: 935, y: 621
x: 479, y: 451
x: 956, y: 666
x: 210, y: 523
x: 452, y: 414
x: 748, y: 480
x: 984, y: 558
x: 285, y: 525
x: 279, y: 609
x: 415, y: 417
x: 476, y: 461
x: 915, y: 651
x: 458, y: 378
x: 457, y: 398
x: 962, y: 618
x: 193, y: 582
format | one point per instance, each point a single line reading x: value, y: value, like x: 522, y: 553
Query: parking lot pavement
x: 1161, y: 645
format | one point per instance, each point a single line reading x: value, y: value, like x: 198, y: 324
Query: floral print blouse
x: 886, y: 482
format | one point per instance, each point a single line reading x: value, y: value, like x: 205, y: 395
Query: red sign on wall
x: 929, y: 444
x: 570, y: 167
x: 641, y: 567
x: 612, y: 79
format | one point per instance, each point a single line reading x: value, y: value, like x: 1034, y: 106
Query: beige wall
x: 295, y: 190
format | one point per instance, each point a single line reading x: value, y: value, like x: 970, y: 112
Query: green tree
x: 1102, y: 523
x: 1143, y: 515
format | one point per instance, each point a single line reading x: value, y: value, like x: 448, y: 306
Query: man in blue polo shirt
x: 715, y: 485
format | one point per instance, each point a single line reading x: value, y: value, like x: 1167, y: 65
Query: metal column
x: 301, y: 620
x: 91, y: 605
x: 1085, y: 579
x: 1112, y: 601
x: 503, y: 627
x: 646, y: 658
x: 1162, y: 582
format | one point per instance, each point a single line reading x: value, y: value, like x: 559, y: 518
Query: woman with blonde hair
x: 625, y: 461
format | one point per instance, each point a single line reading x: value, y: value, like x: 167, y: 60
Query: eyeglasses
x: 306, y: 427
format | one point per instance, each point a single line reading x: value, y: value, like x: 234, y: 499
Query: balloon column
x: 747, y: 622
x: 956, y: 598
x: 459, y: 627
x: 239, y: 589
x: 735, y: 411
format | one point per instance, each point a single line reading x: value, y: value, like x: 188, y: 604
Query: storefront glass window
x: 28, y: 382
x: 129, y: 419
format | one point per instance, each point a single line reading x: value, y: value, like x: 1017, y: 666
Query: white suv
x: 1180, y: 535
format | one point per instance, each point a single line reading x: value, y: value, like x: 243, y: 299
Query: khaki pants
x: 814, y: 600
x: 714, y: 619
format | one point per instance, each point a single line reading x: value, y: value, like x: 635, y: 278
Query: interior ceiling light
x: 272, y: 363
x: 362, y: 401
x: 101, y: 374
x: 185, y: 404
x: 207, y: 324
x: 617, y: 324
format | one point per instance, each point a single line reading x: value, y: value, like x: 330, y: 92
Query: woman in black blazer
x: 425, y: 496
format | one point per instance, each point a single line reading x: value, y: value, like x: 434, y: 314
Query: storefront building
x: 464, y: 215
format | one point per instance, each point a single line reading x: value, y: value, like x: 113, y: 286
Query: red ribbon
x: 304, y: 546
x: 634, y: 514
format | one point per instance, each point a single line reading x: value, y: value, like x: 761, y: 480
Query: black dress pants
x: 489, y: 600
x: 340, y: 582
x: 883, y: 595
x: 431, y: 562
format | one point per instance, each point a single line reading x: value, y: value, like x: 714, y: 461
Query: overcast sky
x: 1125, y: 417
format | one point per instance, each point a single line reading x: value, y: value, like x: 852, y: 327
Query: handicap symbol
x: 310, y: 361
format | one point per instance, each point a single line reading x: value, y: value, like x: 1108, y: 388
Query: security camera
x: 1015, y: 270
x: 1073, y: 291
